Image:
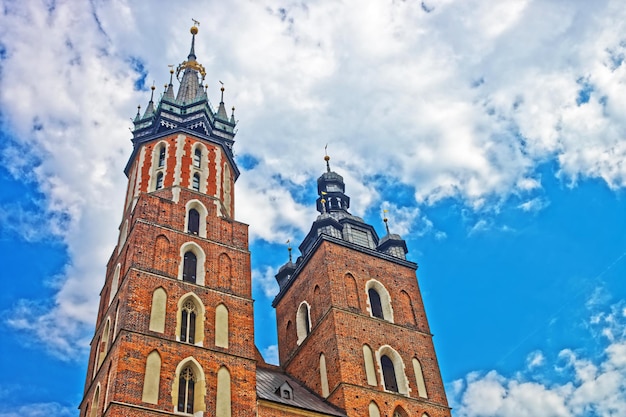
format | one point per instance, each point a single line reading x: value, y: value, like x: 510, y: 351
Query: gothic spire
x: 221, y: 111
x: 150, y: 108
x: 190, y: 83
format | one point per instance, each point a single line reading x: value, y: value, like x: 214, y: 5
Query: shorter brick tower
x: 351, y: 322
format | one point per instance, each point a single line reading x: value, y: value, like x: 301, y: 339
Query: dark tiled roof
x: 269, y: 379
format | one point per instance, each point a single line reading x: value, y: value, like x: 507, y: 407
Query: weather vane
x: 195, y: 22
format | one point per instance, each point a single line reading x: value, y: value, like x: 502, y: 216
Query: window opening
x: 197, y: 158
x: 195, y: 184
x: 375, y: 304
x: 188, y: 322
x: 189, y: 267
x: 185, y: 391
x: 193, y: 222
x: 162, y: 157
x: 159, y: 181
x: 389, y: 374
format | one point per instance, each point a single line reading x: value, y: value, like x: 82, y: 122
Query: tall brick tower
x: 174, y: 332
x: 351, y: 322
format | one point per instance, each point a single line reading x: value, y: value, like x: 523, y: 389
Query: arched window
x: 197, y: 158
x: 419, y: 378
x: 399, y: 412
x: 370, y: 373
x: 221, y: 326
x: 389, y: 374
x: 159, y: 181
x: 195, y: 184
x: 376, y: 306
x: 189, y: 267
x: 223, y: 397
x: 94, y: 403
x: 188, y: 322
x: 158, y: 310
x: 373, y: 410
x: 193, y: 225
x: 303, y: 322
x: 152, y: 378
x: 186, y: 385
x: 161, y: 157
x: 324, y: 376
x: 379, y: 300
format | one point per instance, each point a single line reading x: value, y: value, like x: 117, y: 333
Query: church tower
x: 350, y: 318
x: 174, y: 332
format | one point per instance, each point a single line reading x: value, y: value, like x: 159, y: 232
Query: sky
x: 493, y: 133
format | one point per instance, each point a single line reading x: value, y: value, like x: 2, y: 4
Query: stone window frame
x: 303, y: 321
x: 385, y: 299
x: 157, y: 174
x: 199, y: 385
x: 399, y: 369
x: 202, y: 211
x: 203, y: 170
x: 198, y: 336
x: 200, y: 261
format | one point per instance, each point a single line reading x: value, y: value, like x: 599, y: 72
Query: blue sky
x: 494, y: 133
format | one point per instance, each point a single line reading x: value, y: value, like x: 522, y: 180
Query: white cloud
x: 39, y: 410
x: 265, y: 279
x: 596, y: 386
x: 270, y: 354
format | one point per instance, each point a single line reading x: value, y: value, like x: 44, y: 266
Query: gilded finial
x: 152, y: 93
x: 222, y: 90
x: 323, y: 201
x: 327, y: 158
x: 194, y: 28
x: 386, y: 220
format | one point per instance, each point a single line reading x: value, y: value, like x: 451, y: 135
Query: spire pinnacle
x: 232, y: 116
x: 326, y: 158
x: 221, y: 111
x: 289, y: 249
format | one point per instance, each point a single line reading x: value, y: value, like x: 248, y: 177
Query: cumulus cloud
x: 595, y: 385
x: 39, y: 410
x: 455, y: 99
x: 270, y: 354
x: 265, y: 279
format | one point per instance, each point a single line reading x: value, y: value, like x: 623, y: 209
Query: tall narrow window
x: 377, y: 308
x: 159, y: 181
x: 162, y: 157
x: 193, y: 223
x: 152, y: 378
x: 195, y: 184
x: 189, y: 267
x: 186, y: 385
x: 389, y: 374
x: 188, y: 322
x: 197, y: 158
x: 303, y: 324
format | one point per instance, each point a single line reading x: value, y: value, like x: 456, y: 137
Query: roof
x: 269, y: 379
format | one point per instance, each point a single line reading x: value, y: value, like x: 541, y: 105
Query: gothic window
x: 197, y: 158
x: 188, y: 322
x: 303, y: 322
x: 379, y: 300
x: 157, y: 310
x: 193, y: 225
x: 324, y: 376
x: 186, y: 384
x: 196, y: 182
x: 189, y: 267
x: 370, y: 373
x: 221, y: 326
x: 399, y: 412
x: 376, y: 306
x: 389, y: 374
x: 223, y: 403
x: 161, y: 157
x: 152, y: 378
x: 419, y: 378
x: 94, y: 403
x: 159, y: 181
x: 373, y: 410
